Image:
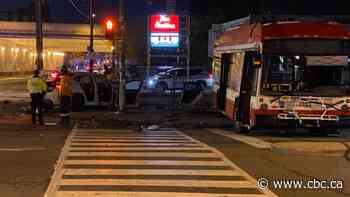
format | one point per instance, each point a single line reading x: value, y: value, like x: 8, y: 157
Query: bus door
x: 225, y: 63
x: 247, y: 84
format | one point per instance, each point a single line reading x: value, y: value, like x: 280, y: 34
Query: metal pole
x: 188, y: 18
x: 92, y: 24
x: 39, y: 35
x: 149, y: 55
x: 122, y: 56
x: 115, y: 75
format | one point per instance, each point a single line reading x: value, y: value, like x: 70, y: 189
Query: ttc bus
x: 283, y: 74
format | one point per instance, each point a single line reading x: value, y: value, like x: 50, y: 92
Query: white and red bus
x: 291, y: 73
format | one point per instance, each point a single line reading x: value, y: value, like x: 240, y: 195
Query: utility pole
x: 188, y: 45
x: 92, y: 24
x: 122, y: 56
x: 115, y: 74
x: 39, y: 35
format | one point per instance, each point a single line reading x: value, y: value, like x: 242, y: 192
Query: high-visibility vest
x: 36, y: 85
x: 66, y: 85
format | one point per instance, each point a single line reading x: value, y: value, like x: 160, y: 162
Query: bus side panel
x: 234, y: 84
x: 230, y: 107
x: 216, y: 71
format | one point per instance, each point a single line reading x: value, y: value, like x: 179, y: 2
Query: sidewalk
x: 311, y: 148
x: 135, y: 118
x: 28, y: 156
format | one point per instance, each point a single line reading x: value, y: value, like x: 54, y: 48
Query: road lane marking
x: 144, y: 162
x: 129, y: 137
x: 150, y: 172
x: 174, y: 183
x: 134, y: 144
x: 142, y: 148
x: 58, y: 169
x: 129, y: 140
x: 149, y: 194
x: 22, y: 149
x: 133, y: 164
x: 152, y: 154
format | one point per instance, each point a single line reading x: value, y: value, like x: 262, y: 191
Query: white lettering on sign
x: 164, y: 23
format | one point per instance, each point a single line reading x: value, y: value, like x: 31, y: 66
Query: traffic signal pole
x: 39, y: 34
x: 92, y: 24
x: 115, y: 76
x: 122, y: 56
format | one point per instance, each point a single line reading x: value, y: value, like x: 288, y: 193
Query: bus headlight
x: 344, y: 108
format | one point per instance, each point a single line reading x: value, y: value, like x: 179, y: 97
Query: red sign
x: 164, y: 24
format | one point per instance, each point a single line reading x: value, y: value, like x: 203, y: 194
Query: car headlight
x: 151, y: 82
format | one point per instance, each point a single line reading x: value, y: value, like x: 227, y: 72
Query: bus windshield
x: 306, y: 75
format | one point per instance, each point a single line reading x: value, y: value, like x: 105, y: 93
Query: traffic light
x: 110, y: 29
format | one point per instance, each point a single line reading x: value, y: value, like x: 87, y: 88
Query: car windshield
x: 306, y: 75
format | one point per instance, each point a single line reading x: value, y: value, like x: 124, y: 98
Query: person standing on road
x: 66, y: 95
x: 37, y: 88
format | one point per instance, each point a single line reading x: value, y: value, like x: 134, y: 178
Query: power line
x: 78, y: 10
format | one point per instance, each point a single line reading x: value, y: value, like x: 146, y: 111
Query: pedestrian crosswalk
x: 125, y: 163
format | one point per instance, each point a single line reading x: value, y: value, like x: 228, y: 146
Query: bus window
x: 306, y: 75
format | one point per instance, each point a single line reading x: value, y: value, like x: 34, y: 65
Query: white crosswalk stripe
x: 166, y: 162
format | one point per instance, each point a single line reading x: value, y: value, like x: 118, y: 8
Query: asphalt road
x: 152, y: 163
x: 261, y: 163
x: 29, y: 154
x: 13, y: 89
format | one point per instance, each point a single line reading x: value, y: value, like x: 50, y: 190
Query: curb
x: 335, y: 153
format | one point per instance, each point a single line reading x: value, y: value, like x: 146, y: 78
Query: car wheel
x: 77, y: 102
x: 162, y: 86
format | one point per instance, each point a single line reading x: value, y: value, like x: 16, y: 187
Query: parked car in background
x: 132, y: 89
x: 176, y: 77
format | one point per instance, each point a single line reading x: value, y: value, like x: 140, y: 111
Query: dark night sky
x: 62, y: 10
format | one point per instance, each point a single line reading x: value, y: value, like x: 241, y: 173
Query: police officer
x: 37, y: 88
x: 66, y: 95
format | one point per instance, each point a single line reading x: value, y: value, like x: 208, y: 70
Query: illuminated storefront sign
x: 165, y: 40
x: 164, y: 31
x: 164, y: 24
